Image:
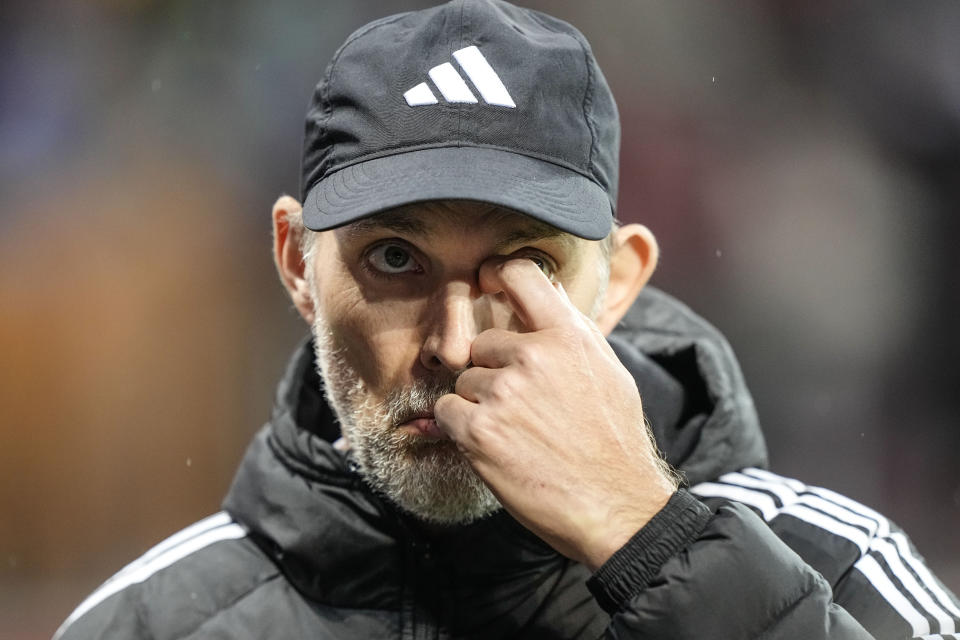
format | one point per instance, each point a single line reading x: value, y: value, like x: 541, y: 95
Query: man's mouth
x: 424, y: 425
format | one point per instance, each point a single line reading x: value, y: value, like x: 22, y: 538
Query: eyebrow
x: 398, y: 221
x: 412, y: 222
x: 533, y: 233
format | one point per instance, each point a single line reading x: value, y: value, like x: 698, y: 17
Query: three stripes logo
x: 454, y: 89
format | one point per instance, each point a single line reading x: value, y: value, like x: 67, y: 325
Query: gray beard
x: 426, y: 477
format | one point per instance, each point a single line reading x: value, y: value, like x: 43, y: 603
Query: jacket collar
x: 692, y: 387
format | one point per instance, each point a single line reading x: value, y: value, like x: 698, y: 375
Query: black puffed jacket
x: 304, y: 548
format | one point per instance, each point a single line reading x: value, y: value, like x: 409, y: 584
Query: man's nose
x: 457, y: 312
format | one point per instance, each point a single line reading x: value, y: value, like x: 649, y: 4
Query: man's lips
x: 424, y: 426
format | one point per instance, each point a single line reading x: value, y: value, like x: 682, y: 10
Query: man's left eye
x: 545, y: 264
x: 392, y: 258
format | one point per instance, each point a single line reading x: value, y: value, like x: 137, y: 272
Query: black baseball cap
x: 470, y: 100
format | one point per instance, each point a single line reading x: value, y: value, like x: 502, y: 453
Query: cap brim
x: 545, y: 191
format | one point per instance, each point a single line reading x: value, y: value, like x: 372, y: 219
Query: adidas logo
x: 454, y: 89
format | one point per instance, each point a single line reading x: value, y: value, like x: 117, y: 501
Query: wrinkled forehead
x: 464, y: 216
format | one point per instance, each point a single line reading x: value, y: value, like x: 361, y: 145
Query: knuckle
x: 502, y: 388
x: 528, y: 355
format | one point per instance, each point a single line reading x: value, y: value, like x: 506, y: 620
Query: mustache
x: 417, y: 400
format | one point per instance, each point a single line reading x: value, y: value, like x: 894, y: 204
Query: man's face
x: 397, y: 305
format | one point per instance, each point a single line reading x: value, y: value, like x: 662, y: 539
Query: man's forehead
x: 427, y: 218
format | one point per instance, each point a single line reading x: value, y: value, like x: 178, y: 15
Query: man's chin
x: 433, y: 482
x: 447, y: 516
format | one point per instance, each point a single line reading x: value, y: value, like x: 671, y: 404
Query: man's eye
x: 545, y: 265
x: 540, y: 263
x: 392, y: 258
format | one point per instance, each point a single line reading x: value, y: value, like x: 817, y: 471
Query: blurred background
x: 799, y: 162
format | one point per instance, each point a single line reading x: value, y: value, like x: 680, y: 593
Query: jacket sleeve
x: 691, y: 573
x: 114, y: 617
x: 875, y: 572
x: 176, y: 586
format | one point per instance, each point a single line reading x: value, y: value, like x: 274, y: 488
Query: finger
x: 495, y: 348
x: 454, y: 415
x: 475, y: 383
x: 528, y: 291
x: 498, y: 348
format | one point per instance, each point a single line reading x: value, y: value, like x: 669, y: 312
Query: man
x: 462, y: 449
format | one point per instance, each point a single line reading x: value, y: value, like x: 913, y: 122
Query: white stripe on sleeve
x: 210, y: 522
x: 847, y: 518
x: 921, y: 595
x: 141, y: 570
x: 869, y: 567
x: 921, y: 570
x: 757, y: 499
x: 789, y: 497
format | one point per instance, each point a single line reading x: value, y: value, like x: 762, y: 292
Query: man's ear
x: 289, y: 258
x: 632, y: 262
